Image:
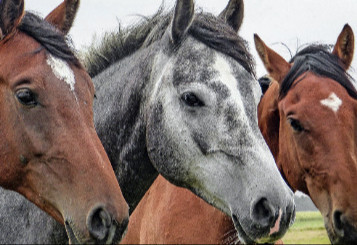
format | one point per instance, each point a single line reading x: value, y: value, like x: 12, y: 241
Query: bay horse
x: 184, y: 100
x: 49, y: 149
x: 308, y: 118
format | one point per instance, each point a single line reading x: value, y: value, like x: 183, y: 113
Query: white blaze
x: 226, y: 77
x: 62, y: 70
x: 332, y: 102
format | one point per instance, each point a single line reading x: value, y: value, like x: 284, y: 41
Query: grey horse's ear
x: 11, y: 13
x: 233, y: 14
x: 183, y: 17
x: 63, y: 16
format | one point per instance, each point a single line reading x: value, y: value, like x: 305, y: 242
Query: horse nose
x: 290, y: 212
x: 339, y: 223
x: 344, y: 230
x: 264, y: 214
x: 102, y: 227
x: 99, y: 222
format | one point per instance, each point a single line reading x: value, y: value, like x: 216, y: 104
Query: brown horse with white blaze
x: 308, y: 118
x: 49, y: 149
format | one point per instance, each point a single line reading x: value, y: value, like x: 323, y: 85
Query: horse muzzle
x: 266, y: 223
x: 101, y: 227
x: 342, y: 232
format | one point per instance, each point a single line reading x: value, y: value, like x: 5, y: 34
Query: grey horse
x: 177, y: 96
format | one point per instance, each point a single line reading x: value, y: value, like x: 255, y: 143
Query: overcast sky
x: 292, y: 22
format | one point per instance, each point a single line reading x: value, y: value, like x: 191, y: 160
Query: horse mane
x: 48, y: 36
x: 318, y: 59
x: 206, y: 28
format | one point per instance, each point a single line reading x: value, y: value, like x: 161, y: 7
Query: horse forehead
x: 62, y: 70
x: 325, y: 93
x: 236, y: 80
x: 193, y: 62
x: 333, y: 102
x: 225, y: 74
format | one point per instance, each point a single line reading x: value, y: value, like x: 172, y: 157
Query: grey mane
x: 206, y: 28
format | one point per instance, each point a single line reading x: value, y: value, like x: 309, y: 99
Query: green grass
x: 308, y: 228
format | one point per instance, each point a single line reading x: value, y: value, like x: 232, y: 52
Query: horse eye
x: 191, y: 99
x: 295, y: 125
x: 26, y: 97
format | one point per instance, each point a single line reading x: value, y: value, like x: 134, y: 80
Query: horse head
x: 308, y: 118
x: 49, y: 149
x: 202, y: 129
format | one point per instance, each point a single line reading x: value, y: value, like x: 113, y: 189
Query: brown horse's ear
x: 183, y: 17
x: 63, y: 16
x: 11, y: 13
x: 344, y: 46
x: 268, y: 117
x: 233, y: 14
x: 276, y: 66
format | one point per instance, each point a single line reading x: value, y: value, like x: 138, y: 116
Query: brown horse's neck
x: 269, y: 124
x: 268, y: 118
x: 169, y: 214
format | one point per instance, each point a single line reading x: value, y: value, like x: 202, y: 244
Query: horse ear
x: 183, y: 17
x: 233, y: 14
x: 63, y: 16
x: 11, y: 13
x: 344, y: 46
x: 276, y: 66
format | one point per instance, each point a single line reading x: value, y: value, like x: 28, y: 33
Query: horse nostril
x: 263, y: 213
x: 99, y: 222
x: 290, y: 213
x: 338, y: 223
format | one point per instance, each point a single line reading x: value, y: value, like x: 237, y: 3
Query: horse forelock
x: 319, y: 61
x: 49, y: 37
x: 206, y: 28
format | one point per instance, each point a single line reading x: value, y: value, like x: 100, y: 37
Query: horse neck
x: 269, y: 124
x: 121, y: 124
x: 269, y: 119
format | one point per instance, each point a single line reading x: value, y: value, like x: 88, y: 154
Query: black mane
x: 319, y: 60
x: 48, y: 36
x: 206, y: 28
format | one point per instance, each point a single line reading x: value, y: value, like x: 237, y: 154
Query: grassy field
x: 308, y: 229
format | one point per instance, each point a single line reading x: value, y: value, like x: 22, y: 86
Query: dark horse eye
x: 26, y: 97
x: 295, y: 125
x: 191, y: 99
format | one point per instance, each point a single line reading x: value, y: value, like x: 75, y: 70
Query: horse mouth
x: 242, y: 235
x: 265, y: 238
x: 71, y: 235
x: 342, y: 232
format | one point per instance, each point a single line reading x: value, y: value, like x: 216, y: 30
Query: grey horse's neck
x: 121, y: 125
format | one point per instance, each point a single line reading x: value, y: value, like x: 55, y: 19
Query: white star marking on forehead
x: 332, y: 102
x: 62, y: 70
